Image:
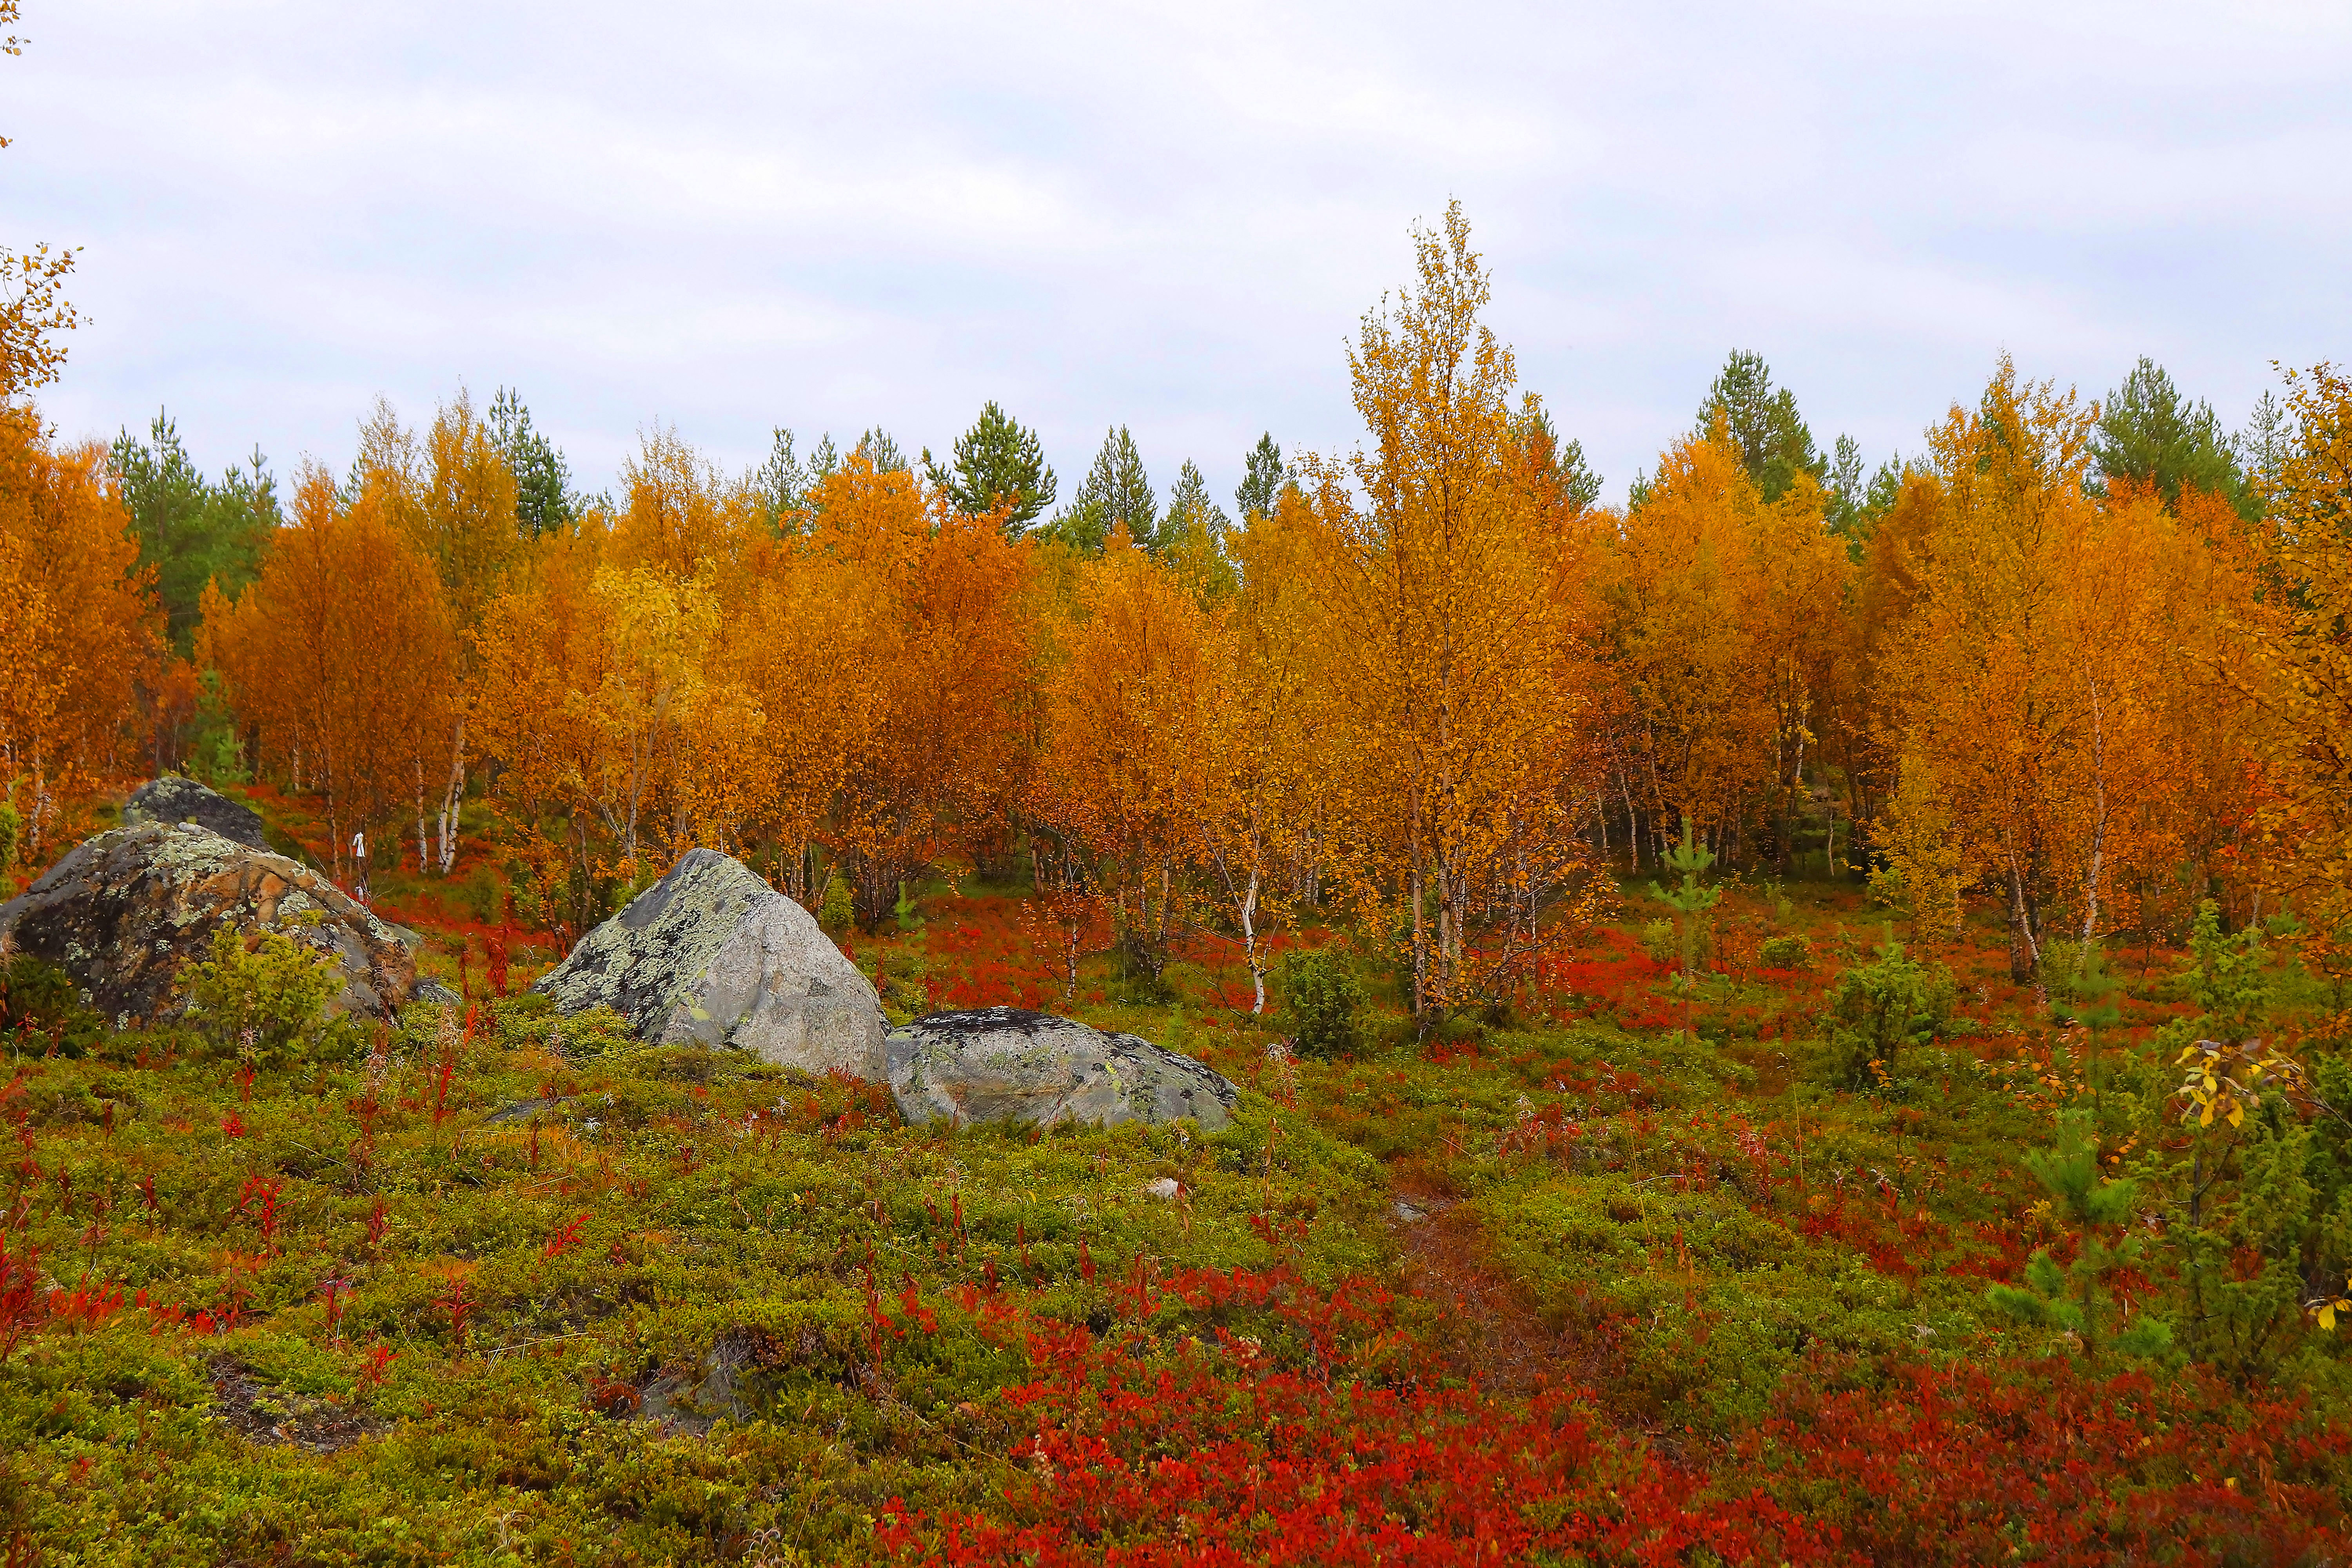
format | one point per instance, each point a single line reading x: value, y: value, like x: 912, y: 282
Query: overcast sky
x: 729, y: 216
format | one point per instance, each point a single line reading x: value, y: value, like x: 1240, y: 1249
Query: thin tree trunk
x: 2099, y: 820
x: 451, y: 799
x: 2024, y: 952
x: 1249, y: 939
x: 1632, y: 821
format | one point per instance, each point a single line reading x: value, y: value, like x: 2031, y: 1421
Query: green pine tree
x: 544, y: 501
x: 2151, y: 435
x: 190, y: 531
x: 1688, y: 902
x: 780, y: 483
x: 1774, y: 443
x: 998, y: 460
x: 883, y: 452
x: 1117, y: 490
x: 1262, y: 477
x: 2075, y: 1298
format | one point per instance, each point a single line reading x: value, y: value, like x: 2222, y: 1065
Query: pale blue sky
x: 729, y: 216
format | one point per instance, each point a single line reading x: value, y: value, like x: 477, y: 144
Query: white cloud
x: 1170, y: 217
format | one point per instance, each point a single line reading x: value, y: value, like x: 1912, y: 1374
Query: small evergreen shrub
x: 834, y: 910
x: 265, y: 1004
x: 1880, y: 1010
x: 39, y: 999
x: 1786, y: 953
x: 1659, y: 941
x: 1323, y: 997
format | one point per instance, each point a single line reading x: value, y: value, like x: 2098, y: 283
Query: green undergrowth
x: 472, y: 1260
x: 499, y: 1285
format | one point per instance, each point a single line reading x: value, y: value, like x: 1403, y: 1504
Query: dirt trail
x: 1482, y: 1326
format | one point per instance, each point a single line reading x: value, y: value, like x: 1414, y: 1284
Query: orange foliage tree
x: 949, y: 649
x: 83, y: 637
x: 2307, y: 652
x: 2062, y: 653
x: 1459, y: 672
x: 341, y: 658
x: 1123, y: 777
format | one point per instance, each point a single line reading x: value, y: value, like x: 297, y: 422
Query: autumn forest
x: 1799, y: 1016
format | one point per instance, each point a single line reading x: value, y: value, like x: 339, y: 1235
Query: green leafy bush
x: 264, y: 1004
x: 1323, y: 997
x: 1659, y: 941
x: 1786, y: 953
x: 41, y: 999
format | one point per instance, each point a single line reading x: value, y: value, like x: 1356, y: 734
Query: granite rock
x: 1003, y: 1064
x: 125, y: 912
x: 713, y: 954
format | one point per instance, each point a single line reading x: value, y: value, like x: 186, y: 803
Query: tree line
x: 2079, y: 663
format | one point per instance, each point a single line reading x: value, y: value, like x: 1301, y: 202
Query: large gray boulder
x: 124, y: 911
x: 1000, y: 1064
x: 173, y: 798
x: 712, y: 952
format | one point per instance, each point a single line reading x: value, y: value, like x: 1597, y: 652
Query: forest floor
x: 1566, y: 1283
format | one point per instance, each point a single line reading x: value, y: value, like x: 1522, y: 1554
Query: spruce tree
x: 1688, y: 902
x: 544, y: 501
x: 1263, y: 476
x: 2149, y: 434
x: 1117, y: 492
x: 780, y: 483
x: 190, y: 531
x: 1774, y: 443
x: 883, y: 452
x: 998, y: 460
x: 1566, y: 460
x: 2263, y: 446
x: 1192, y: 537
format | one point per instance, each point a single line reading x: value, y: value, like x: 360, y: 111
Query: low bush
x: 1324, y: 999
x: 1881, y: 1009
x: 263, y: 1003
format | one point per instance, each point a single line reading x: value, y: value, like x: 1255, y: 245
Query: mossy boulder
x: 173, y: 798
x: 1003, y: 1064
x: 123, y: 911
x: 713, y: 954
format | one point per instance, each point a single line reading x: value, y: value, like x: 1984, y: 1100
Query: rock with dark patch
x: 712, y: 952
x: 265, y: 1413
x: 171, y: 798
x: 126, y: 909
x: 1002, y: 1064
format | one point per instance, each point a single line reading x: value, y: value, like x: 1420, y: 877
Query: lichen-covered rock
x: 171, y: 798
x: 1002, y: 1064
x: 126, y: 909
x: 712, y: 952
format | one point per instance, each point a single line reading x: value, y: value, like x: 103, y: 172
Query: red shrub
x: 1223, y: 1458
x: 2054, y: 1465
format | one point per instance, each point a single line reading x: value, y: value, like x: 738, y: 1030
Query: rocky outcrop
x: 1001, y: 1064
x: 173, y: 798
x: 712, y: 952
x: 126, y: 909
